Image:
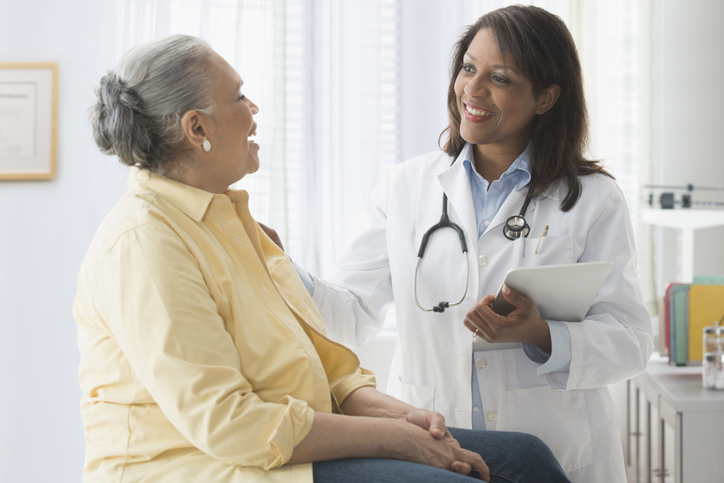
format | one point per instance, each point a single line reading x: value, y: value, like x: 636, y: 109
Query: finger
x: 475, y: 461
x: 477, y: 329
x: 483, y: 330
x: 461, y: 468
x: 488, y: 300
x: 272, y: 234
x: 516, y: 298
x: 437, y: 426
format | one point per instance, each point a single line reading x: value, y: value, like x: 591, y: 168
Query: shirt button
x: 487, y: 222
x: 482, y: 260
x: 491, y: 416
x: 476, y: 409
x: 481, y: 363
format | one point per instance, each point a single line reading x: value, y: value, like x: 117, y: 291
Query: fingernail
x: 506, y: 290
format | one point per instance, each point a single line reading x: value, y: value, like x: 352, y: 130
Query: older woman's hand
x: 445, y: 453
x: 524, y: 324
x: 430, y: 421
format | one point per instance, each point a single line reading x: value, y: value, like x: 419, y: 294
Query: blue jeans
x: 511, y: 457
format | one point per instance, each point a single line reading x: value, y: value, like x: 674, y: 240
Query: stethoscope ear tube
x: 515, y: 227
x: 443, y: 223
x: 443, y: 304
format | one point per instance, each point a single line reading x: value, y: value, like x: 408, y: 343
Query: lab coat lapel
x: 456, y: 185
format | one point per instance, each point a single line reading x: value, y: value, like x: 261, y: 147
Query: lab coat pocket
x: 556, y: 417
x: 422, y: 397
x: 547, y: 250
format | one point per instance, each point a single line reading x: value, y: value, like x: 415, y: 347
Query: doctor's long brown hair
x: 544, y: 50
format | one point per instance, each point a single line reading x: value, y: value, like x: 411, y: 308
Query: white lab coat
x: 572, y: 412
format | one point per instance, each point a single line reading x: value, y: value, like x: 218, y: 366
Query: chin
x: 471, y: 137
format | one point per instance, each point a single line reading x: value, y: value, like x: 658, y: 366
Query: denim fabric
x: 511, y: 457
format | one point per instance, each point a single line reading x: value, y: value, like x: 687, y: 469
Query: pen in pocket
x: 545, y: 232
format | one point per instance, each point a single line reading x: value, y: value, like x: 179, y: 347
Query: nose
x: 476, y: 87
x: 254, y: 108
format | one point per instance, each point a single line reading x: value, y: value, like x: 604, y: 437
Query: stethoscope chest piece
x: 516, y: 227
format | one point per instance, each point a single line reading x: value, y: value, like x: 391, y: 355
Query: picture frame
x: 28, y: 120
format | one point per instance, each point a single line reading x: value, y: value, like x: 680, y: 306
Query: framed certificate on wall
x: 28, y: 120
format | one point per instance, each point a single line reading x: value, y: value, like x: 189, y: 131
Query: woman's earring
x: 206, y: 144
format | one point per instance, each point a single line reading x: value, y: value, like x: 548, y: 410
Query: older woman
x: 203, y: 356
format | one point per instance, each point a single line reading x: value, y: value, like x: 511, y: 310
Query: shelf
x: 687, y: 221
x: 683, y: 218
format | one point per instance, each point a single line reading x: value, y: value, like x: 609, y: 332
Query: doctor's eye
x: 500, y: 80
x: 468, y: 68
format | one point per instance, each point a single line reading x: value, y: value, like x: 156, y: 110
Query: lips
x: 476, y: 114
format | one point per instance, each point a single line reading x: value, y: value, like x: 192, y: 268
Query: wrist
x: 399, y: 442
x: 542, y: 336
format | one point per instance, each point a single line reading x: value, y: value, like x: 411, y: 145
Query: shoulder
x: 424, y: 165
x: 137, y: 212
x: 599, y: 187
x: 594, y: 187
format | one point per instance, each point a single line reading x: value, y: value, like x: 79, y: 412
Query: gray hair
x: 138, y: 112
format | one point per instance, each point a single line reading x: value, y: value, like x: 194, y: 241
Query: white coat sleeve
x: 352, y: 300
x: 615, y: 340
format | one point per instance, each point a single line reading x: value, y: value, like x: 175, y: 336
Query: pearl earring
x: 206, y: 144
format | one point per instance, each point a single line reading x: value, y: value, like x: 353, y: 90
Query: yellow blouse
x: 203, y: 358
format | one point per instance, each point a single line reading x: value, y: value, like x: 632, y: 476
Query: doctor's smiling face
x: 494, y: 99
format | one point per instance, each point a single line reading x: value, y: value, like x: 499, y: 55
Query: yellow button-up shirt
x: 203, y: 356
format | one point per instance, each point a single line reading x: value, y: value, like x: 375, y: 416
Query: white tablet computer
x: 561, y: 292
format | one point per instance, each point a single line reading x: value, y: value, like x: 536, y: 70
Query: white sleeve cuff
x: 559, y: 359
x: 307, y: 279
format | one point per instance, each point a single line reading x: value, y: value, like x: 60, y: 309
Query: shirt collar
x: 192, y: 201
x: 520, y: 167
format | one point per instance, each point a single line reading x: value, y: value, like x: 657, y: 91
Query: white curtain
x: 336, y: 119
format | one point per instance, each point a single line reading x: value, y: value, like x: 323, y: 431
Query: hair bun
x: 118, y: 116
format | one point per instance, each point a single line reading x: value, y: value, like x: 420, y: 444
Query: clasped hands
x: 442, y: 450
x: 524, y: 324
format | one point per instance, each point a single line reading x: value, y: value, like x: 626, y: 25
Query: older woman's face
x: 233, y: 155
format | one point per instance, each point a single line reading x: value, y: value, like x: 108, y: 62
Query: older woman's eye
x: 241, y: 97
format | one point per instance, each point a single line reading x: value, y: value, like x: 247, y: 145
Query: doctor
x: 518, y: 121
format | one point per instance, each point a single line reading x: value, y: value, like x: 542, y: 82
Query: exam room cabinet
x: 674, y: 429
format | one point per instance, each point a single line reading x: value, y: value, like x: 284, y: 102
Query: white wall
x: 45, y: 229
x: 688, y: 122
x: 429, y: 30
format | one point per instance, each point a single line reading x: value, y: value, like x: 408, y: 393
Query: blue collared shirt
x: 488, y: 198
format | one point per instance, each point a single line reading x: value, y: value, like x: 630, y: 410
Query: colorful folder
x: 679, y: 315
x: 706, y: 307
x: 709, y: 280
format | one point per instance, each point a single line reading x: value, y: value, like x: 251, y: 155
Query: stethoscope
x: 515, y: 228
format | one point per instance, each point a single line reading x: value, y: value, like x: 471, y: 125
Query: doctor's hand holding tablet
x: 531, y: 294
